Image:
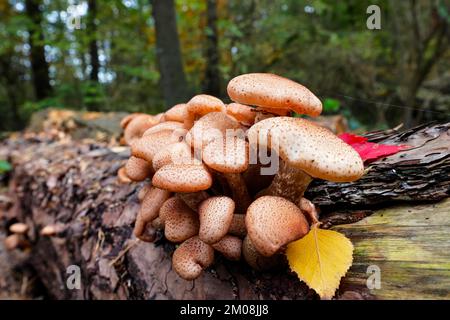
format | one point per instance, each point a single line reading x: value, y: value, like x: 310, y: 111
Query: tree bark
x: 93, y: 47
x: 74, y: 185
x: 39, y: 66
x: 168, y: 52
x: 212, y: 73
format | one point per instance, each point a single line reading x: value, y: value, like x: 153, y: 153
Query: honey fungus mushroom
x: 272, y: 92
x: 180, y: 222
x: 272, y: 222
x: 192, y: 257
x: 306, y: 151
x: 216, y: 215
x: 199, y: 106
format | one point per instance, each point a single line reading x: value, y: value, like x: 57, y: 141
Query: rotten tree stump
x: 73, y: 185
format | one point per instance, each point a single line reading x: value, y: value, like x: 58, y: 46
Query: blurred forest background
x: 147, y: 55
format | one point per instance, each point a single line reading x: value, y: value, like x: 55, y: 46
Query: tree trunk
x: 74, y: 185
x: 39, y: 65
x: 168, y: 52
x: 212, y: 73
x: 93, y: 47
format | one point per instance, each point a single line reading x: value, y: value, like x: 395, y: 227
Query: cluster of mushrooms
x: 210, y: 189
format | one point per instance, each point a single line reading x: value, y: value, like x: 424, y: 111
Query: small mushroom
x: 216, y: 214
x: 16, y: 241
x: 51, y: 230
x: 122, y: 176
x: 230, y: 156
x: 242, y: 113
x: 273, y: 222
x: 230, y: 247
x: 177, y: 113
x: 152, y: 202
x: 162, y: 126
x: 270, y: 91
x: 179, y: 153
x: 183, y: 178
x: 192, y: 257
x: 180, y: 222
x: 19, y: 228
x: 201, y: 105
x: 125, y: 121
x: 208, y: 128
x: 147, y: 147
x: 138, y: 169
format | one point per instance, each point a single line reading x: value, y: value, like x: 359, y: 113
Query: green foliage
x: 5, y: 166
x: 331, y: 105
x: 323, y: 44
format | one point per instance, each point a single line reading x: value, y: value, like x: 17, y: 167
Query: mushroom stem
x: 289, y: 183
x: 239, y: 190
x: 193, y: 199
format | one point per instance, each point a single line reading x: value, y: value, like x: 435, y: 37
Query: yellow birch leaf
x: 321, y: 259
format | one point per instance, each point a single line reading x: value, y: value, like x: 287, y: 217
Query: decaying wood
x: 73, y: 184
x: 406, y: 248
x: 421, y: 173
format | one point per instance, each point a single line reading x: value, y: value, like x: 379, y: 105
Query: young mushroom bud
x: 177, y: 113
x: 201, y: 105
x: 180, y: 222
x: 216, y: 214
x: 230, y: 247
x: 19, y: 228
x: 242, y: 113
x: 138, y: 169
x: 122, y: 176
x: 52, y: 230
x: 150, y: 206
x: 273, y: 222
x: 192, y: 257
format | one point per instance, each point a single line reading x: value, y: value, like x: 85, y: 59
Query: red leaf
x: 369, y: 150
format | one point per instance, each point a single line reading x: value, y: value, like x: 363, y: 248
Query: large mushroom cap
x: 202, y: 104
x: 191, y: 257
x: 216, y: 214
x: 167, y: 125
x: 242, y: 113
x: 183, y: 178
x: 273, y: 222
x: 179, y: 220
x: 273, y: 92
x: 305, y: 145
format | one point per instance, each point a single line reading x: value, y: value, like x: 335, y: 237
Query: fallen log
x: 73, y: 185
